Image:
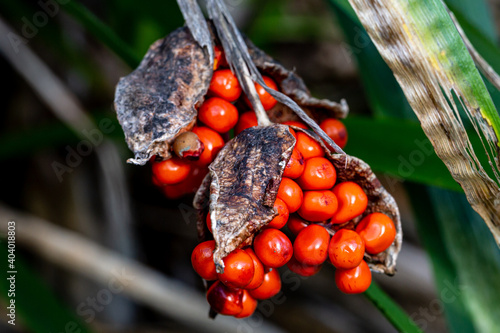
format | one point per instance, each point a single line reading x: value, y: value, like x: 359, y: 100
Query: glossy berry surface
x: 249, y: 305
x: 302, y: 269
x: 225, y: 85
x: 238, y: 269
x: 225, y: 300
x: 311, y: 245
x: 212, y: 141
x: 268, y: 101
x: 291, y: 193
x: 355, y: 280
x: 269, y: 288
x: 282, y: 218
x: 273, y: 248
x: 202, y: 260
x: 295, y: 123
x: 336, y: 130
x: 308, y: 147
x: 318, y: 205
x: 258, y: 275
x: 246, y: 120
x: 377, y: 231
x: 296, y: 224
x: 346, y: 249
x: 295, y: 166
x: 319, y: 174
x: 352, y: 201
x: 171, y: 171
x: 218, y: 114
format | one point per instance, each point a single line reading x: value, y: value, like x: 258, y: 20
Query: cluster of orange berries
x: 309, y: 199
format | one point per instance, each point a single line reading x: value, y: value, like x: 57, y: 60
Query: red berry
x: 295, y: 165
x: 209, y: 223
x: 269, y: 288
x: 311, y: 245
x: 202, y: 260
x: 352, y: 202
x: 296, y: 123
x: 291, y: 193
x: 296, y: 224
x: 308, y: 147
x: 268, y: 101
x: 249, y: 305
x: 280, y: 220
x: 319, y: 174
x: 225, y: 300
x: 302, y: 269
x: 218, y: 57
x: 246, y: 120
x: 273, y: 248
x: 346, y: 249
x: 225, y: 85
x: 377, y: 231
x: 171, y: 171
x: 336, y: 130
x: 355, y: 280
x: 318, y: 205
x: 238, y: 269
x: 218, y: 114
x: 212, y: 141
x: 258, y: 276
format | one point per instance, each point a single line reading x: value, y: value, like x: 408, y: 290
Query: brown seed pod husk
x: 157, y: 101
x: 245, y: 178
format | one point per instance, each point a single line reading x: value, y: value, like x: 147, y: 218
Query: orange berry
x: 280, y: 220
x: 212, y: 141
x: 318, y: 205
x: 268, y: 101
x: 295, y: 166
x: 218, y: 114
x: 291, y: 194
x: 202, y: 260
x: 225, y: 300
x: 346, y: 249
x: 218, y: 55
x: 308, y: 147
x: 296, y: 224
x: 209, y: 223
x: 355, y: 280
x: 273, y: 248
x: 377, y: 231
x: 336, y: 130
x: 302, y: 269
x: 171, y: 171
x: 352, y: 201
x: 246, y: 120
x: 319, y: 174
x: 311, y: 245
x: 225, y: 85
x: 269, y: 288
x: 238, y: 269
x: 249, y: 305
x: 187, y: 186
x: 295, y: 123
x: 258, y: 275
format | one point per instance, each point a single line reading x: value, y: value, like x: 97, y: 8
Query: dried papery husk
x: 157, y: 101
x: 353, y: 169
x: 244, y: 181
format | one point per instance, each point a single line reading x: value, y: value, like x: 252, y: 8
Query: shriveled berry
x: 318, y: 205
x: 355, y: 280
x: 346, y: 249
x: 280, y: 220
x: 352, y: 201
x: 295, y: 165
x: 302, y: 269
x: 311, y: 245
x: 308, y: 147
x: 296, y: 224
x: 270, y: 287
x: 171, y: 171
x: 249, y: 305
x: 238, y: 269
x: 273, y: 248
x: 212, y: 141
x: 319, y: 174
x: 258, y: 275
x: 225, y: 85
x: 336, y: 130
x: 218, y: 114
x: 377, y: 231
x: 291, y: 193
x: 202, y: 260
x: 246, y: 120
x: 187, y: 145
x: 225, y: 300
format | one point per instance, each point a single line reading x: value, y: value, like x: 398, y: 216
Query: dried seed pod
x: 188, y: 145
x: 245, y: 178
